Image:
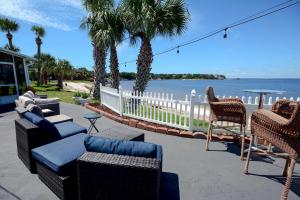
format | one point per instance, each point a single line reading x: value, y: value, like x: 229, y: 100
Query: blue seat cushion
x: 66, y: 129
x: 122, y: 147
x: 60, y: 156
x: 46, y: 127
x: 33, y: 118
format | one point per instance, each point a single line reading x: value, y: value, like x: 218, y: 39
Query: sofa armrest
x: 28, y: 137
x: 118, y: 177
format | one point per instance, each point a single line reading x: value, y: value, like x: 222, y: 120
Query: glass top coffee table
x: 262, y: 93
x: 92, y: 117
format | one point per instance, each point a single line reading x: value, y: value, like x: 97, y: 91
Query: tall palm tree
x: 39, y: 31
x: 61, y: 68
x: 146, y: 19
x: 47, y: 63
x: 94, y: 8
x: 9, y: 26
x: 109, y: 33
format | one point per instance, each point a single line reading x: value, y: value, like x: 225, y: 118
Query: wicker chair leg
x: 269, y: 147
x: 243, y: 142
x: 284, y: 195
x: 248, y: 156
x: 286, y: 167
x: 208, y: 136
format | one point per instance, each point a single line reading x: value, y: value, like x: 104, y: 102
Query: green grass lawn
x: 51, y: 86
x: 64, y: 96
x: 163, y: 116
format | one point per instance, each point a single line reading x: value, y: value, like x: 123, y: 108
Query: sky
x: 265, y: 48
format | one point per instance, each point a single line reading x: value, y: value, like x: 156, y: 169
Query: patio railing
x: 192, y: 113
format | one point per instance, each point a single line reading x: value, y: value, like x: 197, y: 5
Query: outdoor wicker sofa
x: 33, y: 131
x: 225, y: 110
x: 40, y: 100
x: 281, y: 128
x: 99, y: 175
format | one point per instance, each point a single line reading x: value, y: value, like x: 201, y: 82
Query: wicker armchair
x: 226, y: 110
x: 281, y: 128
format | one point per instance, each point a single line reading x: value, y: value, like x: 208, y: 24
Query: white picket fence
x: 161, y: 108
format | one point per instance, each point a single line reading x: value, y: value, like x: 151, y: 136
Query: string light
x: 225, y: 34
x: 245, y: 20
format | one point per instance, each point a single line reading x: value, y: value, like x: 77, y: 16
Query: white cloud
x: 72, y: 3
x: 26, y: 10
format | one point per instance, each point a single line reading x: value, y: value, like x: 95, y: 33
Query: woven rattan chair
x: 225, y: 110
x: 281, y: 128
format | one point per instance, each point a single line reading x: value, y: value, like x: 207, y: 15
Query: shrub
x: 77, y: 94
x: 85, y: 95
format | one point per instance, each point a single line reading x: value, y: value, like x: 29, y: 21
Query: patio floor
x: 190, y: 172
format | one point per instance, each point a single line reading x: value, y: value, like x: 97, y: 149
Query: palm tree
x: 61, y: 68
x: 8, y: 26
x: 146, y: 19
x: 47, y: 63
x: 99, y: 51
x: 40, y: 33
x: 109, y: 33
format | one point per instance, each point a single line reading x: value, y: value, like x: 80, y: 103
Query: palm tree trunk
x: 38, y: 74
x: 99, y: 69
x: 144, y: 61
x: 60, y: 82
x: 114, y: 67
x: 38, y: 42
x: 10, y: 37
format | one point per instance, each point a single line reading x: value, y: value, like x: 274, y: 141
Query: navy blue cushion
x: 60, y: 156
x: 66, y: 129
x: 120, y: 147
x: 33, y: 118
x: 45, y: 126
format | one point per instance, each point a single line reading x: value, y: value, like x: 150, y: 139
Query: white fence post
x: 100, y: 93
x: 192, y: 105
x: 121, y: 100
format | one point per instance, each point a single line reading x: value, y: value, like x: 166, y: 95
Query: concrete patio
x: 190, y: 173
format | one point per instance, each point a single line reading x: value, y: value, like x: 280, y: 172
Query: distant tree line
x: 132, y: 76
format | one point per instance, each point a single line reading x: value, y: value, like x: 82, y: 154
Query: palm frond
x: 38, y: 30
x: 8, y: 25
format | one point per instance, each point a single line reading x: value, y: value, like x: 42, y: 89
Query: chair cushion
x: 33, y: 118
x: 24, y: 101
x: 60, y: 156
x: 27, y: 94
x: 30, y: 93
x: 66, y: 129
x: 57, y: 131
x: 120, y: 147
x: 35, y: 109
x: 45, y: 126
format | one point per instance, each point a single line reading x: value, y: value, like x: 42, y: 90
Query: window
x: 20, y: 75
x: 7, y: 80
x: 5, y: 57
